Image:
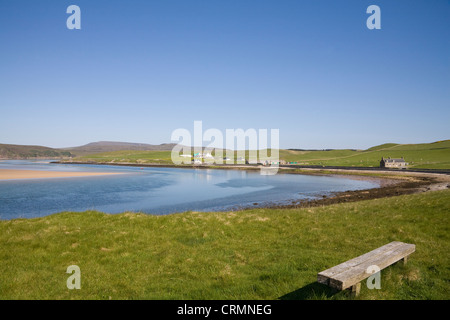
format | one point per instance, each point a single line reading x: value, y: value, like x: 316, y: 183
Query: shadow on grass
x: 313, y: 290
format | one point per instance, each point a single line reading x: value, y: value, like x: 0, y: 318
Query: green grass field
x: 428, y: 155
x: 420, y: 156
x: 130, y: 156
x: 254, y: 254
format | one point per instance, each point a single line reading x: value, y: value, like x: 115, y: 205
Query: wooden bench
x: 349, y: 274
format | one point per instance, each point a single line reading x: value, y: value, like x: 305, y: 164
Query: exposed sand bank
x: 8, y: 174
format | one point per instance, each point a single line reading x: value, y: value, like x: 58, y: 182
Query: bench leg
x: 405, y: 260
x: 355, y: 289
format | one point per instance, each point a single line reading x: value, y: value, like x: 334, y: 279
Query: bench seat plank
x: 353, y: 271
x: 329, y: 273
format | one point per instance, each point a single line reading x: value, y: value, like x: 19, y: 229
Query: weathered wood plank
x: 358, y: 273
x: 324, y: 276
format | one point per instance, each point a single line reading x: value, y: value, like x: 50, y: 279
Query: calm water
x: 155, y: 190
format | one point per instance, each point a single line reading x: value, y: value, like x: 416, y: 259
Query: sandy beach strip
x: 7, y: 174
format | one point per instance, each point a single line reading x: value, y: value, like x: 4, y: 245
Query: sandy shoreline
x: 394, y: 185
x: 9, y: 174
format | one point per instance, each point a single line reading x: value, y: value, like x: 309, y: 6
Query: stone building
x: 393, y: 163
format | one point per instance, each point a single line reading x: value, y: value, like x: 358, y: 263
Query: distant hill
x: 111, y: 146
x: 383, y: 146
x: 12, y: 151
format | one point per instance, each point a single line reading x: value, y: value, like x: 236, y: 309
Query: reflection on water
x: 155, y: 190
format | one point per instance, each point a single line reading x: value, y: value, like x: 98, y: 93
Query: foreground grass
x: 254, y: 254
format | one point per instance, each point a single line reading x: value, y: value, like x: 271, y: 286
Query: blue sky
x: 137, y: 70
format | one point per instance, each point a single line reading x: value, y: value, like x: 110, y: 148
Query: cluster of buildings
x: 200, y: 155
x: 199, y: 158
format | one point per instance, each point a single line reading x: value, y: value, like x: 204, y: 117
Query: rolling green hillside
x: 113, y: 146
x: 427, y: 155
x: 131, y: 156
x: 12, y: 151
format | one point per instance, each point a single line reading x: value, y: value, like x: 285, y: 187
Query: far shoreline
x: 259, y: 166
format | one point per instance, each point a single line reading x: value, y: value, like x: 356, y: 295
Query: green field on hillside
x: 130, y: 156
x: 428, y: 155
x: 253, y: 254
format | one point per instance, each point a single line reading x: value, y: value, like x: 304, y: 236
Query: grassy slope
x: 131, y: 156
x: 12, y: 151
x: 428, y: 155
x: 112, y: 146
x: 255, y: 254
